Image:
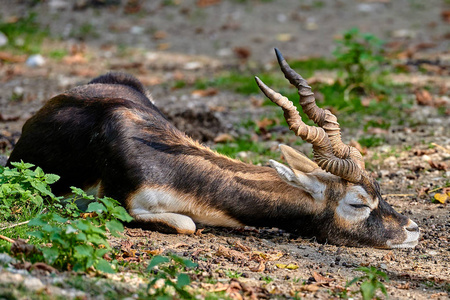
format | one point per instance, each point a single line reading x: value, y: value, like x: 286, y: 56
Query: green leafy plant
x: 360, y: 54
x: 78, y: 240
x: 233, y: 274
x: 24, y: 34
x: 22, y: 190
x: 370, y: 282
x: 267, y: 279
x: 169, y: 281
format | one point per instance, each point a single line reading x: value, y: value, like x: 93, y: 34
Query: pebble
x: 35, y: 60
x: 7, y: 277
x: 137, y: 30
x: 404, y: 33
x: 18, y: 91
x: 5, y: 258
x: 3, y: 39
x: 33, y: 283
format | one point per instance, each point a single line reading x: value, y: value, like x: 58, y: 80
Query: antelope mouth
x: 412, y: 232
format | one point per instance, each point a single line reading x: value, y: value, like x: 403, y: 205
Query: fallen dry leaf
x: 423, y: 191
x: 163, y: 46
x: 76, y: 59
x: 321, y: 279
x: 159, y: 35
x: 423, y: 97
x: 260, y: 268
x: 5, y: 56
x: 289, y: 266
x: 234, y: 289
x: 284, y: 37
x: 21, y: 246
x: 257, y: 255
x: 403, y: 286
x: 264, y: 123
x: 308, y: 288
x: 242, y: 53
x: 43, y: 267
x: 7, y: 118
x: 154, y: 252
x: 445, y: 15
x: 228, y: 253
x: 442, y: 198
x: 88, y: 215
x: 205, y: 3
x: 240, y: 246
x: 438, y: 166
x: 223, y: 138
x: 205, y: 93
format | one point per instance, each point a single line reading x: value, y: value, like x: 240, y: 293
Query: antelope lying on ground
x: 108, y: 135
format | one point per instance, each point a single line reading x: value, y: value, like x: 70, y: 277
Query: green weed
x: 79, y: 240
x: 70, y: 238
x: 371, y: 141
x: 24, y: 34
x: 369, y: 283
x: 22, y: 191
x: 232, y: 274
x: 360, y: 54
x: 169, y: 281
x: 267, y: 279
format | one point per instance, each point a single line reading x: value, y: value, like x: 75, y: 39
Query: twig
x: 399, y: 195
x: 14, y: 225
x: 436, y: 189
x: 441, y: 147
x: 22, y: 223
x: 7, y: 239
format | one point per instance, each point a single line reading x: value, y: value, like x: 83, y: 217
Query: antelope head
x: 346, y: 199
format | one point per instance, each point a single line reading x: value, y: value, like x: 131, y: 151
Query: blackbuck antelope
x: 108, y: 135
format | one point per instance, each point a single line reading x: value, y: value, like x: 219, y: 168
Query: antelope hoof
x: 165, y: 222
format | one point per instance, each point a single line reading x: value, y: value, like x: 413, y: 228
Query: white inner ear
x: 305, y: 181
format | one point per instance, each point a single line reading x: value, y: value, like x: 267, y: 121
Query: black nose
x: 412, y: 226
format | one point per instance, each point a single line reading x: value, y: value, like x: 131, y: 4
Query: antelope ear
x: 305, y: 181
x: 297, y: 160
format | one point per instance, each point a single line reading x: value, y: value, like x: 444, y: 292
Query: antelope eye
x: 359, y: 205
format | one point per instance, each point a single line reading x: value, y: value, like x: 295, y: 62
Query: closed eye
x: 359, y: 205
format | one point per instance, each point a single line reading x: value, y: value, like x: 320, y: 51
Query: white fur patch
x: 158, y: 201
x: 355, y: 195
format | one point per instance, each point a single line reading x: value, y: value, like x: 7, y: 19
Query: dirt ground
x: 194, y: 39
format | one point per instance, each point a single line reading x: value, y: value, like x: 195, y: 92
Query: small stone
x: 426, y: 158
x: 5, y: 258
x: 18, y: 91
x: 193, y: 65
x: 33, y: 283
x: 404, y: 33
x: 136, y: 30
x: 3, y: 39
x: 7, y: 277
x: 383, y: 173
x: 35, y: 60
x: 225, y: 52
x: 383, y: 266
